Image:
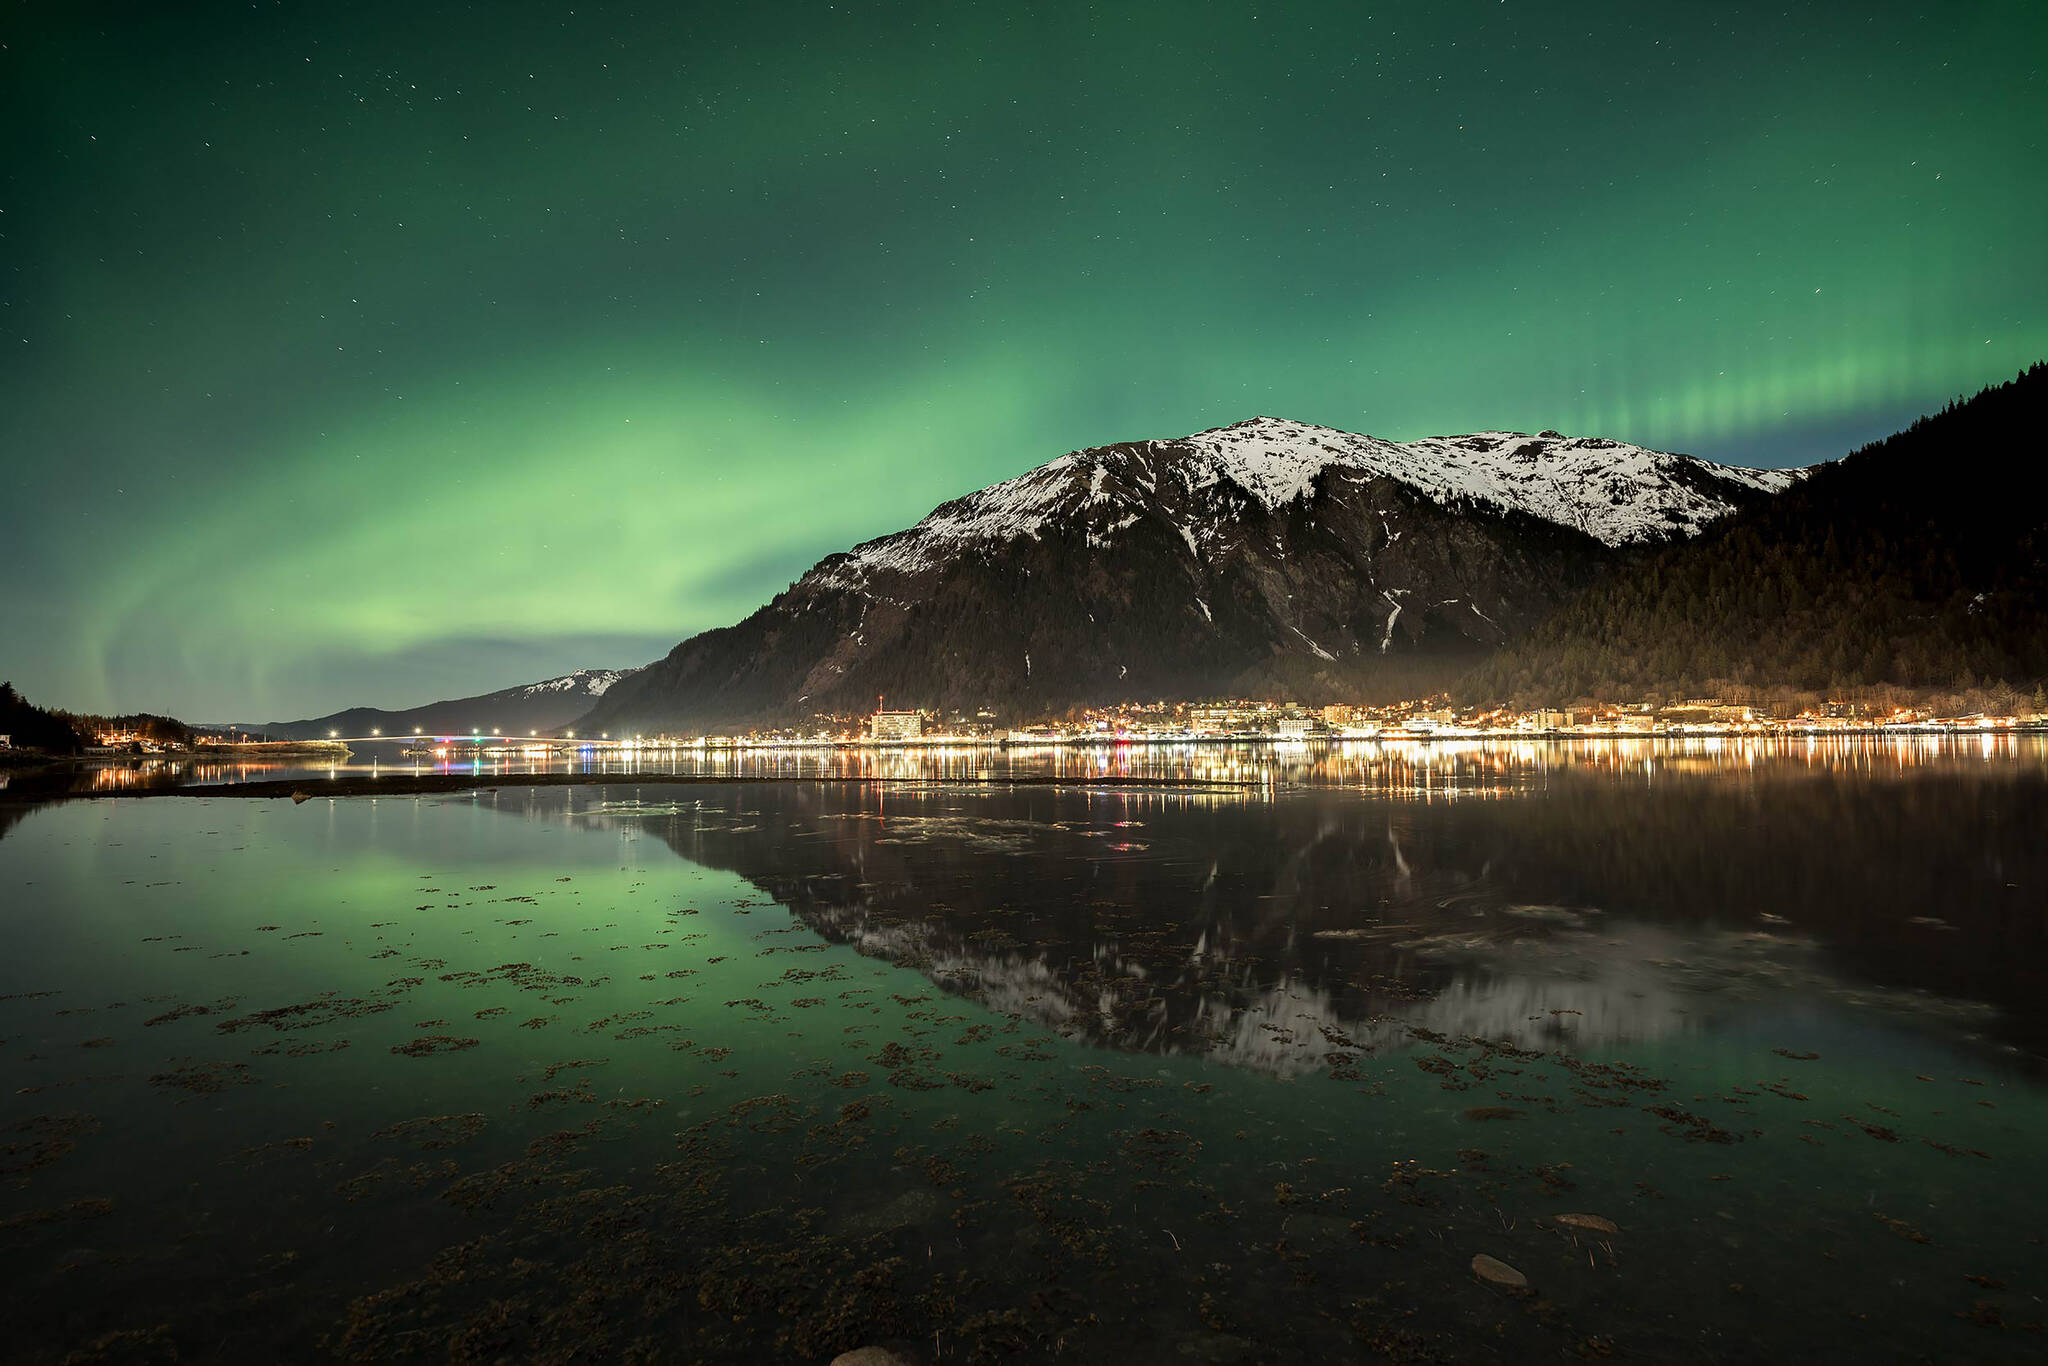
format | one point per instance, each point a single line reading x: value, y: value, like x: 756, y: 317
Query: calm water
x: 764, y: 1071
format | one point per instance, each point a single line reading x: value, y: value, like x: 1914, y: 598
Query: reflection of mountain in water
x: 1278, y: 932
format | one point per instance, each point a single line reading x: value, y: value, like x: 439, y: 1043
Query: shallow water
x: 768, y: 1070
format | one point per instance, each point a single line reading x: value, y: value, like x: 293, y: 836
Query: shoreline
x: 265, y: 748
x: 424, y: 784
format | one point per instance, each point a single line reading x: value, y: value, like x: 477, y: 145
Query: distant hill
x: 545, y: 706
x: 1269, y: 556
x: 1918, y: 562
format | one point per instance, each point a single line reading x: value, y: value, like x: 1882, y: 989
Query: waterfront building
x: 897, y: 725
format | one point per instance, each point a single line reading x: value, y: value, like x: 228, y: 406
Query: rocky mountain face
x: 1268, y: 556
x: 544, y: 706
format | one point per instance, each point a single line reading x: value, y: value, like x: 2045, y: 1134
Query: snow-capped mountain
x: 581, y: 683
x: 1616, y: 493
x: 1269, y: 554
x: 541, y: 707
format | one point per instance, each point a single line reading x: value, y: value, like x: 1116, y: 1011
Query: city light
x: 1286, y: 723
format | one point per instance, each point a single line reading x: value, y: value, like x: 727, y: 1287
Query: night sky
x: 363, y: 353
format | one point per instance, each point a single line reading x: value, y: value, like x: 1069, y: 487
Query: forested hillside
x: 32, y: 727
x: 1919, y: 562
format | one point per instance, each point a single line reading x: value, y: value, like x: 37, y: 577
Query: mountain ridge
x: 1267, y: 457
x: 546, y: 705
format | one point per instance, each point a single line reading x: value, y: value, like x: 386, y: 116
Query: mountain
x: 548, y: 705
x: 1919, y: 562
x: 1265, y: 556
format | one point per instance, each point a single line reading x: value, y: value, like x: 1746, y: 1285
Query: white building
x: 897, y: 725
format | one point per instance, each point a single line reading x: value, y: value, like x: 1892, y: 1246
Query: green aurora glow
x: 376, y: 353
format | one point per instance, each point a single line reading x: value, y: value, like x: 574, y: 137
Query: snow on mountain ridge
x: 1612, y: 491
x: 590, y: 682
x: 1617, y: 493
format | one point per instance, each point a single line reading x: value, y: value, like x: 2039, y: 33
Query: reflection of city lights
x: 1424, y: 771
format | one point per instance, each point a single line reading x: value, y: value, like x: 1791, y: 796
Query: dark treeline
x: 1916, y: 565
x: 31, y: 727
x: 63, y: 732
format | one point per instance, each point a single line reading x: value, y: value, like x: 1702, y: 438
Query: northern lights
x: 379, y: 353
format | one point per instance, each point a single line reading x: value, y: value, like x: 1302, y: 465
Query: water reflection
x: 1604, y: 908
x: 494, y: 1074
x: 1411, y: 770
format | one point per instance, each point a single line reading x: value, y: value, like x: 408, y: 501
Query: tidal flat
x: 1715, y: 1057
